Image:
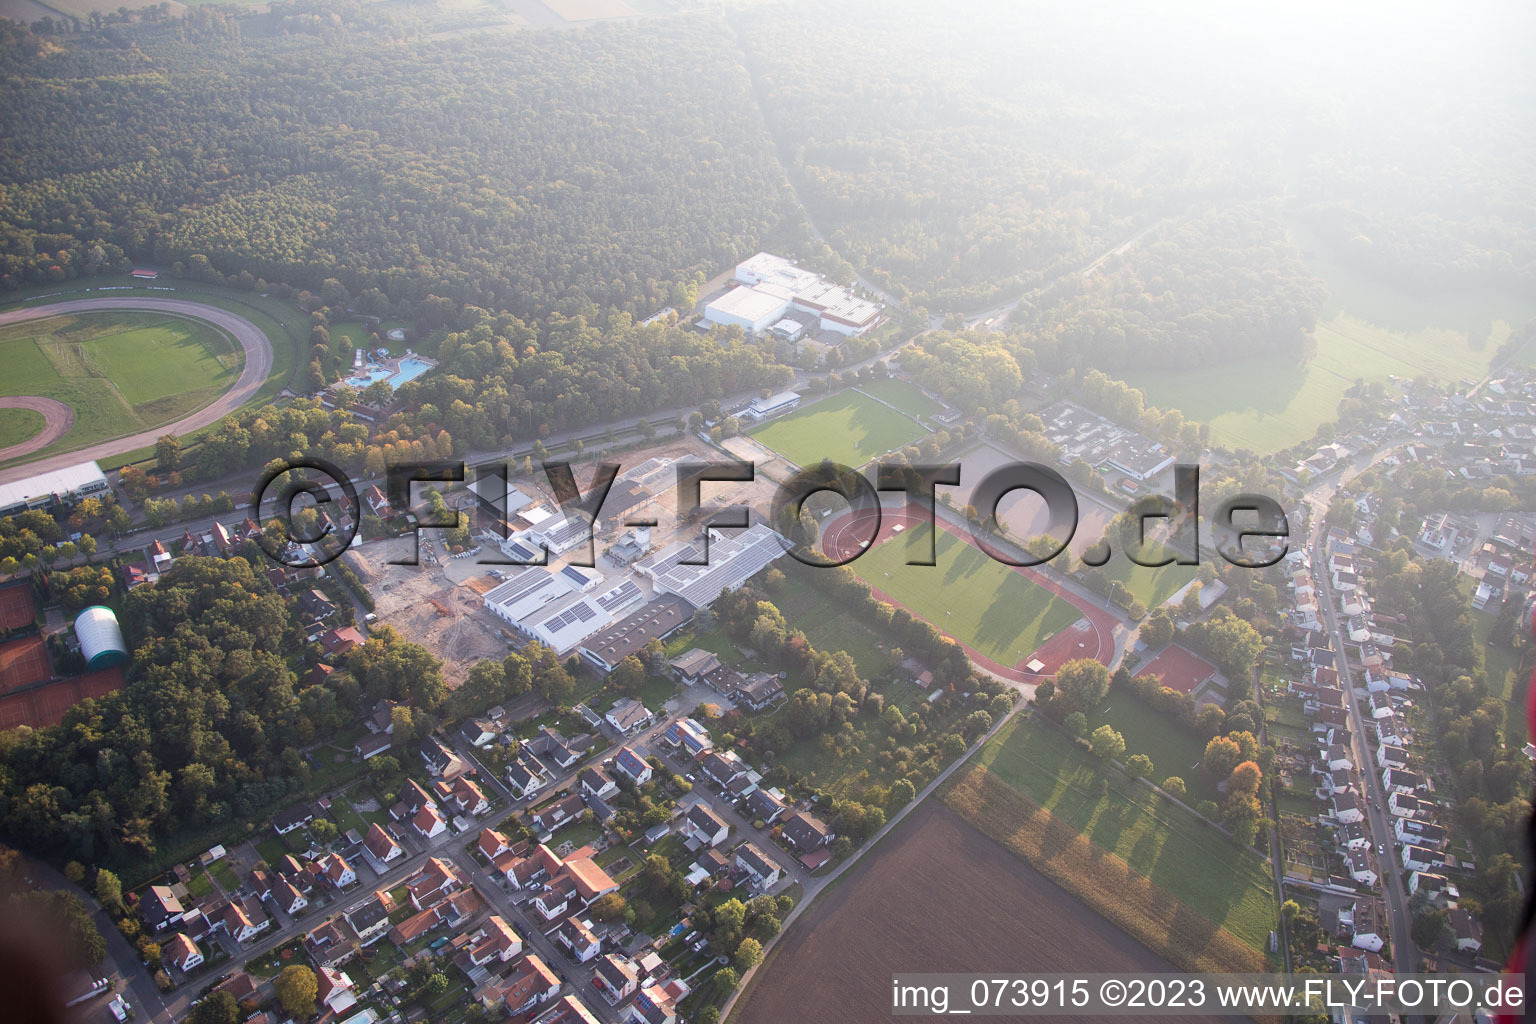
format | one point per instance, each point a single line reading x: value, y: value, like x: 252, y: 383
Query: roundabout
x: 58, y: 417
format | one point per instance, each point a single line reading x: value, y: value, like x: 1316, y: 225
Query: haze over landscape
x: 476, y: 751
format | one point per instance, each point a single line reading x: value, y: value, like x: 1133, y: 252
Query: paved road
x: 258, y: 367
x: 1405, y: 954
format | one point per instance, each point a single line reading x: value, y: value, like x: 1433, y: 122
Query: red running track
x: 1092, y: 636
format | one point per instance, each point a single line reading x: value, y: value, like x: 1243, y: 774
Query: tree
x: 901, y: 793
x: 1174, y: 786
x: 1076, y: 723
x: 726, y: 980
x: 217, y: 1007
x: 1245, y: 778
x: 609, y: 907
x: 296, y: 989
x: 1082, y: 684
x: 1221, y: 756
x: 1107, y: 743
x: 1429, y: 928
x: 1138, y: 766
x: 109, y: 892
x: 628, y: 675
x: 748, y: 955
x: 167, y: 452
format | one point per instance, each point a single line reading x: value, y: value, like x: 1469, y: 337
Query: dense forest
x: 973, y: 154
x: 526, y: 172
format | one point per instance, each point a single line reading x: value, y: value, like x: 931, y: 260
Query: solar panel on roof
x: 619, y: 596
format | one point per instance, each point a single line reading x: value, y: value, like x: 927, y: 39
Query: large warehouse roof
x: 732, y: 561
x: 86, y: 476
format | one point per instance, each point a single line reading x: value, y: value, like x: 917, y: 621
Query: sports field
x: 849, y: 429
x: 1150, y: 586
x: 119, y: 372
x: 1228, y: 888
x: 982, y: 603
x: 904, y: 395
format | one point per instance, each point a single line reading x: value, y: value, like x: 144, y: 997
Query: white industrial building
x: 561, y: 608
x: 773, y: 405
x: 733, y: 559
x: 770, y: 286
x: 45, y: 490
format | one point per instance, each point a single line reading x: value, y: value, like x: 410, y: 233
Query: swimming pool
x: 410, y: 368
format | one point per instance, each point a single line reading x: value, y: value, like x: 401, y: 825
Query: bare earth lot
x: 404, y: 596
x: 936, y: 895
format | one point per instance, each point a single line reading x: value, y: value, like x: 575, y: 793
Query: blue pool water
x: 411, y: 367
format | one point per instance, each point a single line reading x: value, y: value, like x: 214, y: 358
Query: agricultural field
x: 982, y: 603
x: 1367, y: 331
x: 917, y: 902
x: 1157, y: 870
x: 904, y: 395
x: 119, y: 372
x: 589, y: 10
x: 848, y: 428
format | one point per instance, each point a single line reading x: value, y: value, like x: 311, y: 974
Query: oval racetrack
x: 257, y: 368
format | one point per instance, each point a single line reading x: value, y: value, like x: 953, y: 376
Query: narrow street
x: 1404, y: 954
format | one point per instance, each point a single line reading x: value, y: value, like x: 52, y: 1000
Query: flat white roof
x: 59, y: 481
x: 749, y: 304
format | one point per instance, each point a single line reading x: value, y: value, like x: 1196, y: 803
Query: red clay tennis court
x: 16, y: 607
x: 22, y: 663
x: 1179, y: 668
x: 46, y: 705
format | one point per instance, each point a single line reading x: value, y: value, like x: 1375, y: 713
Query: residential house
x: 429, y: 823
x: 526, y: 776
x: 337, y: 871
x: 438, y: 756
x: 370, y: 920
x: 628, y: 716
x: 764, y: 805
x: 689, y: 736
x: 721, y: 767
x: 616, y: 977
x: 480, y: 732
x: 1369, y: 924
x: 496, y: 940
x: 159, y: 908
x: 1466, y: 930
x: 288, y: 897
x: 1421, y: 858
x: 761, y: 868
x: 704, y: 826
x: 549, y: 743
x: 1388, y: 756
x: 529, y: 983
x: 335, y: 990
x: 557, y: 814
x: 1397, y: 780
x: 575, y: 935
x: 1360, y: 869
x: 469, y: 797
x: 1346, y: 808
x: 436, y: 879
x: 631, y: 765
x: 656, y: 1003
x: 493, y: 844
x: 757, y: 691
x: 372, y: 745
x: 805, y: 831
x: 381, y: 844
x: 182, y: 953
x: 596, y: 782
x: 695, y: 667
x: 290, y: 818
